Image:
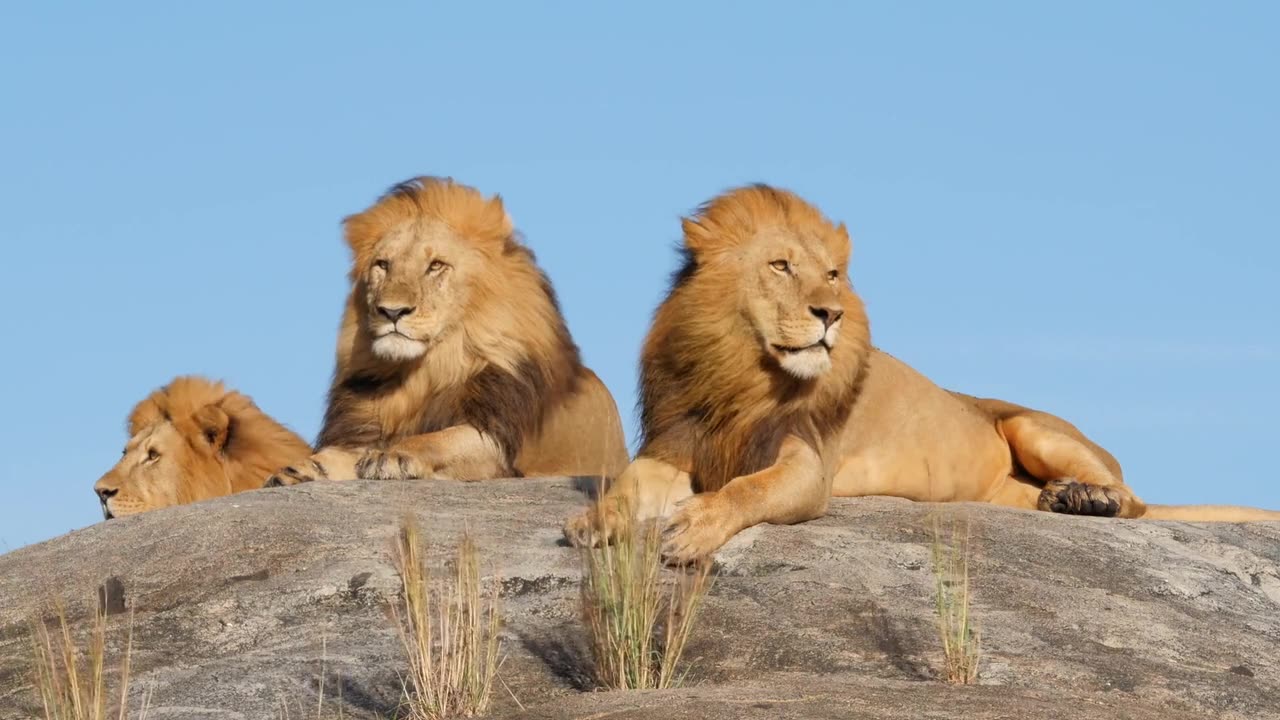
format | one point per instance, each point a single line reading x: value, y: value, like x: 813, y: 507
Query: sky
x: 1070, y: 206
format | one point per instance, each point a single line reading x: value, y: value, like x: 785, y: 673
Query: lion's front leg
x: 457, y: 453
x: 794, y: 489
x: 330, y: 463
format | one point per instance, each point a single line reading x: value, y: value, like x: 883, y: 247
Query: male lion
x: 762, y: 397
x: 453, y: 358
x: 192, y: 440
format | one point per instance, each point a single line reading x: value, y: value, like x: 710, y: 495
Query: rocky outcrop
x: 244, y: 604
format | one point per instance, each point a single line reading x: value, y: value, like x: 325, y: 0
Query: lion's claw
x: 695, y: 531
x: 596, y: 526
x: 389, y: 465
x: 293, y: 475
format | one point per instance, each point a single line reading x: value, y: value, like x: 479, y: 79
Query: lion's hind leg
x: 1070, y: 496
x: 1079, y: 477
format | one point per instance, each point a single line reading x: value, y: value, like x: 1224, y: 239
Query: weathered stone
x: 244, y: 604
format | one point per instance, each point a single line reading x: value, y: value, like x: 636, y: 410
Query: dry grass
x: 71, y: 683
x: 953, y: 599
x: 638, y: 625
x: 449, y: 632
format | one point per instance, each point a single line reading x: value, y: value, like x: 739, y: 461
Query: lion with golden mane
x: 192, y: 440
x: 762, y: 397
x: 454, y: 360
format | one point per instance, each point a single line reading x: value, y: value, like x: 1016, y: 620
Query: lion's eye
x: 435, y: 267
x: 780, y: 265
x: 152, y: 454
x: 382, y: 265
x: 832, y: 275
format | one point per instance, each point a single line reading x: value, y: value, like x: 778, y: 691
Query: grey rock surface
x: 245, y: 605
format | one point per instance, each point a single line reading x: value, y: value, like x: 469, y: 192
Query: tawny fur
x: 192, y: 440
x: 737, y: 433
x: 454, y: 360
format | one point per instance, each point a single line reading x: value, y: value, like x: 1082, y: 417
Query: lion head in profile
x: 192, y: 440
x: 761, y: 335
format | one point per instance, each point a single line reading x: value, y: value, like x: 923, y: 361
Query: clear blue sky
x: 1073, y: 208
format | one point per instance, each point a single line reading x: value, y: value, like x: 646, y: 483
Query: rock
x: 244, y: 604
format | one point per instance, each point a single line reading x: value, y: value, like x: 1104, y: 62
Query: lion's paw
x: 596, y: 526
x: 306, y: 471
x: 389, y: 465
x: 1067, y: 495
x: 696, y: 530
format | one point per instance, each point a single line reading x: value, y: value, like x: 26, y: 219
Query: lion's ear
x: 695, y: 235
x: 844, y: 246
x: 215, y: 426
x: 361, y: 234
x: 500, y: 216
x: 146, y: 413
x: 493, y: 226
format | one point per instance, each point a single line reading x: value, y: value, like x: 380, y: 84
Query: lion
x: 762, y: 397
x: 454, y: 361
x: 192, y: 440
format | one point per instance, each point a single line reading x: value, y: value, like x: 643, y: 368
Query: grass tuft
x: 449, y: 632
x: 953, y: 599
x: 70, y: 682
x: 638, y: 625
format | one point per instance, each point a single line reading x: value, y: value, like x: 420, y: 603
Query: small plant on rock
x: 449, y: 630
x: 953, y: 601
x: 70, y: 682
x: 638, y: 625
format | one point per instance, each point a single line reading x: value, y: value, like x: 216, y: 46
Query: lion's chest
x: 419, y: 409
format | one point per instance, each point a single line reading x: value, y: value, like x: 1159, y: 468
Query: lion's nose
x: 105, y: 494
x: 828, y: 315
x: 393, y: 313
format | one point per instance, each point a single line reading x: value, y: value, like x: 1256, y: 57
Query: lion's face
x: 775, y: 265
x: 415, y: 288
x: 160, y: 468
x: 791, y: 298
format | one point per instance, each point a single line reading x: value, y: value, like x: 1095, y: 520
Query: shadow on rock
x: 565, y: 655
